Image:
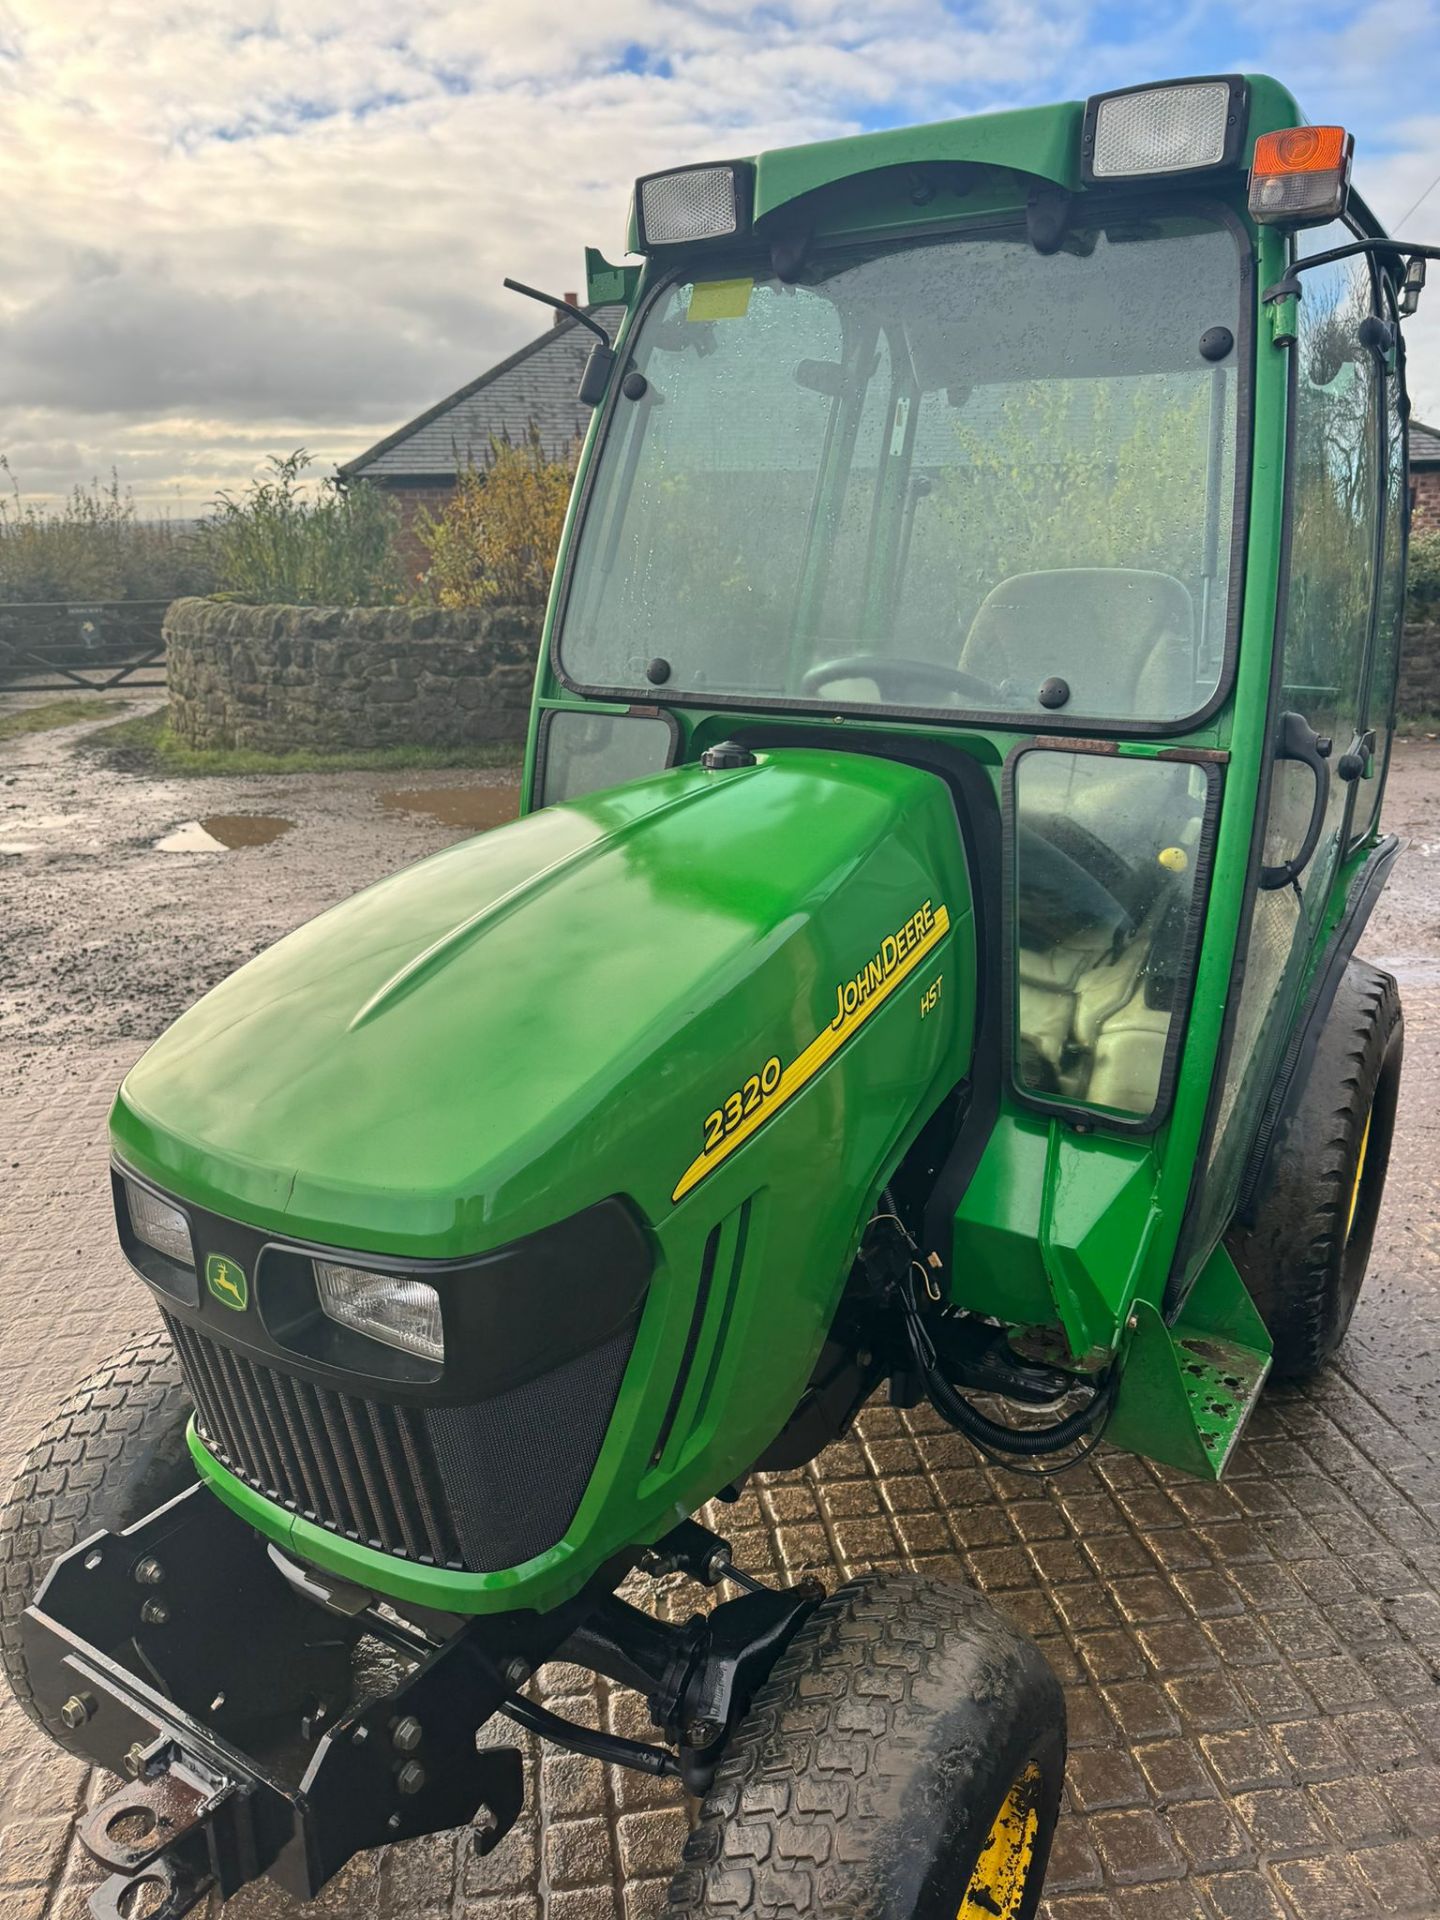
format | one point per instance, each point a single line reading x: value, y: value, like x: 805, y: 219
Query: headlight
x: 397, y: 1312
x: 158, y: 1224
x: 1176, y: 128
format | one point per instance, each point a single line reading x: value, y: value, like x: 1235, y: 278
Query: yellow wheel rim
x: 1002, y: 1873
x: 1359, y: 1173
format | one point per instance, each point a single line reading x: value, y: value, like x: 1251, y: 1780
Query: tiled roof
x: 537, y: 385
x: 1424, y: 445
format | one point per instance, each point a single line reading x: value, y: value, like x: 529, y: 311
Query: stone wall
x: 276, y: 678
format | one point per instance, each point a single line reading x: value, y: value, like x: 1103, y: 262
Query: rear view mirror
x: 596, y: 377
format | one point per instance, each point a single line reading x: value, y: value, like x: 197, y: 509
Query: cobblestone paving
x: 1252, y: 1670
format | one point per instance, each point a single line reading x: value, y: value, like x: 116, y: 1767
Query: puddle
x: 473, y: 808
x: 219, y: 832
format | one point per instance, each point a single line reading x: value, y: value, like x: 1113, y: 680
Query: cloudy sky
x: 234, y: 228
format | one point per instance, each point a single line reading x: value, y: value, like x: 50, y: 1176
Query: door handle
x: 1296, y: 739
x: 1354, y: 763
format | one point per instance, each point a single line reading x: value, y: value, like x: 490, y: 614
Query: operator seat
x: 1121, y: 636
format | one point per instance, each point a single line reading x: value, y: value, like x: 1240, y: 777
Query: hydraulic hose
x: 994, y: 1435
x: 1025, y: 1442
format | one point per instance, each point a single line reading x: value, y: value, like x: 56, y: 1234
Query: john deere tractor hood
x: 612, y: 996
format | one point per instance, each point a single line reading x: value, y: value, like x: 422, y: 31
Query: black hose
x: 994, y: 1435
x: 1026, y: 1442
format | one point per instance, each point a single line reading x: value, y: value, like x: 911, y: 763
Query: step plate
x: 1222, y: 1382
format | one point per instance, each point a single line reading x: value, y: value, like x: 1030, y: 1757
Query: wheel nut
x: 411, y: 1777
x: 77, y: 1710
x: 155, y: 1613
x: 517, y: 1671
x: 407, y: 1735
x: 149, y: 1572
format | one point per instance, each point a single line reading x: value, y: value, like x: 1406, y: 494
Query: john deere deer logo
x: 227, y: 1282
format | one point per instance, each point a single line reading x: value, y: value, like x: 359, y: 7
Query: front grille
x: 355, y: 1466
x: 474, y: 1488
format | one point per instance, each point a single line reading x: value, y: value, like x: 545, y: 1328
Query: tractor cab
x: 925, y: 965
x: 1061, y: 452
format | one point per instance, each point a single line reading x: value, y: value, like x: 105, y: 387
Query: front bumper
x: 221, y: 1627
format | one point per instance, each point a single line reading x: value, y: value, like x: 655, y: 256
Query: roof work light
x: 687, y: 204
x: 1176, y: 128
x: 1300, y: 176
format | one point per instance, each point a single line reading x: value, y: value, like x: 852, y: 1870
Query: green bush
x: 1422, y: 586
x: 496, y: 537
x: 93, y: 546
x: 284, y: 542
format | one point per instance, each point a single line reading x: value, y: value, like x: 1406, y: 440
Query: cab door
x: 1328, y: 606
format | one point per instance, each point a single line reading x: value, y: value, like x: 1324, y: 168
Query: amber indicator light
x: 1300, y: 150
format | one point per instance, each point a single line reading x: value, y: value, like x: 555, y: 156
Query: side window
x: 1390, y: 614
x: 1107, y: 856
x: 582, y: 752
x: 1334, y: 517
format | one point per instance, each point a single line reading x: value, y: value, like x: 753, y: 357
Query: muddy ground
x: 1253, y: 1672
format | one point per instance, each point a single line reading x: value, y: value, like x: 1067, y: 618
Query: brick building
x: 535, y: 387
x: 1424, y: 477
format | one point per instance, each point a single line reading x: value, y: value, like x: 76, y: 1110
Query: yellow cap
x: 1174, y: 859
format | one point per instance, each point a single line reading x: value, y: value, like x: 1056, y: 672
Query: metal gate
x: 50, y: 646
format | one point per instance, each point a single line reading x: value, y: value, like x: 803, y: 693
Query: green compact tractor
x: 925, y: 963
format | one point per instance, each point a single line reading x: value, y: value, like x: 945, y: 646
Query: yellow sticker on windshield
x: 720, y: 299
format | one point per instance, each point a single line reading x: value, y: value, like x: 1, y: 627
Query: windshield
x: 955, y: 474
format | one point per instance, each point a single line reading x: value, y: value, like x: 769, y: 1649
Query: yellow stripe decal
x: 822, y: 1048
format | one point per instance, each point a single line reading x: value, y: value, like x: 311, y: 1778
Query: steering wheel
x: 891, y: 672
x: 1059, y: 897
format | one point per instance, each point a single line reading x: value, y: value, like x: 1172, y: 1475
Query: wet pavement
x: 1253, y: 1670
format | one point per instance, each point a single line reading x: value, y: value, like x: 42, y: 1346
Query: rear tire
x: 905, y: 1756
x: 113, y: 1453
x: 1314, y: 1215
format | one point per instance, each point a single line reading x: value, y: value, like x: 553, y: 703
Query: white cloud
x: 249, y: 224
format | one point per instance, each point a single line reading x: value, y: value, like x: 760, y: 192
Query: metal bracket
x: 201, y: 1811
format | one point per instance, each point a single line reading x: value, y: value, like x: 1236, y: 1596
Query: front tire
x: 904, y: 1761
x: 113, y: 1453
x: 1304, y: 1257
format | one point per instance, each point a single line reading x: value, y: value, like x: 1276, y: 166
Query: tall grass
x: 287, y: 541
x: 92, y: 546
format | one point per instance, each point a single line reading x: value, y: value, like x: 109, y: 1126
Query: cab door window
x: 1108, y: 863
x: 1328, y: 597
